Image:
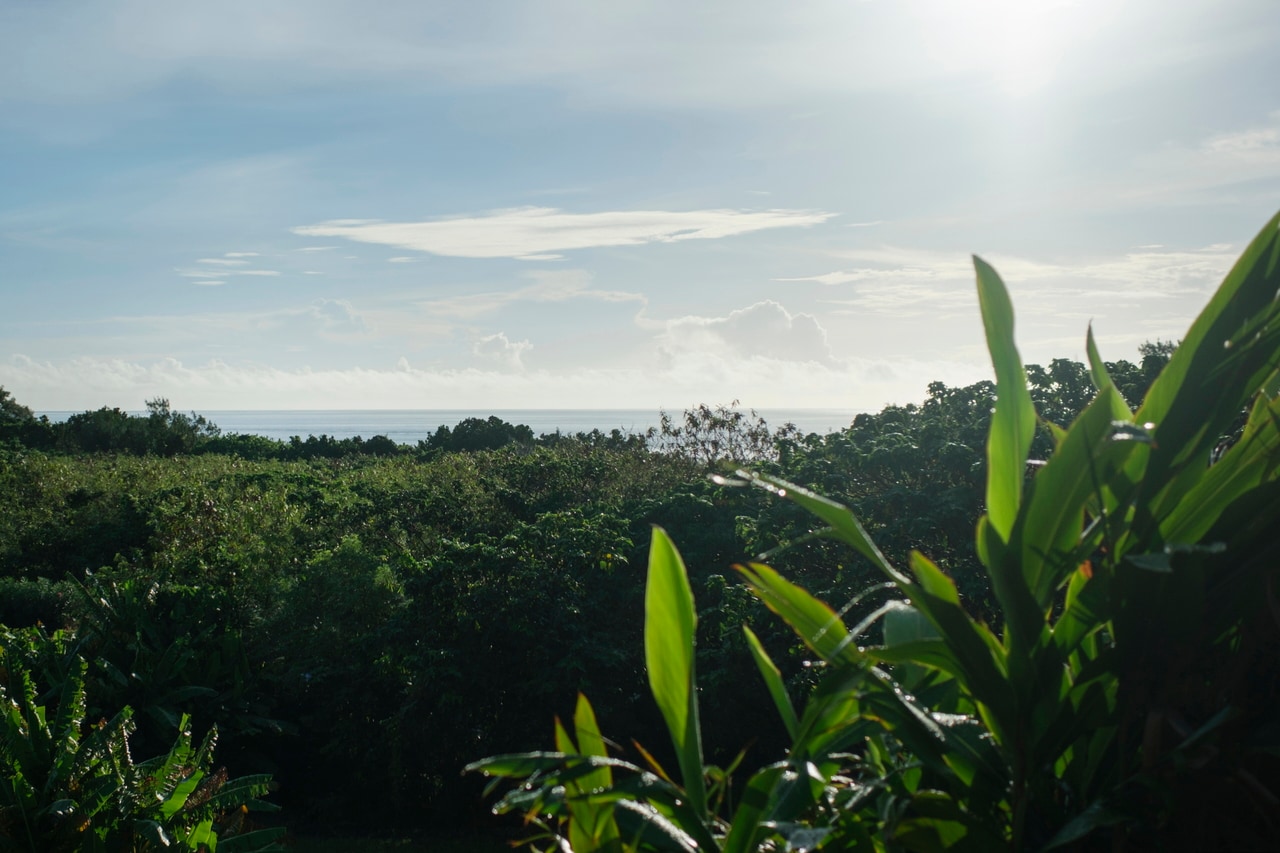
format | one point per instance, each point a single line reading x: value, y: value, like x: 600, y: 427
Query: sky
x: 321, y: 204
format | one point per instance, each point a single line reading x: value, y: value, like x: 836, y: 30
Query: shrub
x: 68, y: 784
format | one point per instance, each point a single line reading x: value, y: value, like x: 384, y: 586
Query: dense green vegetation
x: 361, y: 619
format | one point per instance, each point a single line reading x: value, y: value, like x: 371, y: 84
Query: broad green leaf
x: 844, y: 524
x: 1229, y: 353
x: 980, y: 658
x: 1097, y: 368
x: 670, y: 626
x: 181, y: 793
x: 773, y: 681
x: 592, y: 823
x: 1013, y: 424
x: 903, y: 624
x: 646, y: 824
x: 1251, y: 461
x: 1049, y: 527
x: 745, y: 833
x: 564, y: 741
x: 1102, y: 379
x: 1082, y: 614
x: 820, y: 627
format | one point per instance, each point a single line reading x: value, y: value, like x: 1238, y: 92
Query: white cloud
x: 241, y: 254
x: 225, y: 262
x: 401, y: 260
x: 210, y: 283
x: 498, y: 348
x: 338, y: 320
x: 926, y: 282
x: 540, y: 233
x: 765, y: 329
x: 223, y: 273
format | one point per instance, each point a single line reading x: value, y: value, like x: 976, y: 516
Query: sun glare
x: 1020, y: 45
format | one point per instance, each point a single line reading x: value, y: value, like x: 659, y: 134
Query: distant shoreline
x: 408, y: 426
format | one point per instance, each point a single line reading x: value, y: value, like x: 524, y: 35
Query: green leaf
x: 592, y: 825
x: 670, y: 626
x: 746, y: 830
x: 1229, y: 353
x: 773, y: 681
x: 1097, y: 369
x: 905, y: 624
x: 1102, y: 379
x: 1049, y: 528
x: 1248, y: 463
x: 820, y: 627
x: 1013, y: 424
x: 844, y: 524
x: 181, y: 793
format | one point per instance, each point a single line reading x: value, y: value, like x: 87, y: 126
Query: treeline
x: 362, y: 618
x: 164, y: 432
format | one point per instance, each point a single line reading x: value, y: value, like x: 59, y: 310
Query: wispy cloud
x: 1150, y: 270
x: 1227, y: 161
x: 223, y: 272
x: 225, y: 262
x: 548, y: 286
x: 541, y: 233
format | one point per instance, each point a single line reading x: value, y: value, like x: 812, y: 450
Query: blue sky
x: 329, y: 204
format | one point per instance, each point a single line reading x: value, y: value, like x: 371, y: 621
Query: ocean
x: 408, y: 426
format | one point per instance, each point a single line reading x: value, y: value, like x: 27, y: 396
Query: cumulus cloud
x: 765, y: 329
x: 498, y: 348
x: 338, y: 319
x: 541, y: 233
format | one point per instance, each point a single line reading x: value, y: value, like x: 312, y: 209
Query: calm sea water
x: 408, y: 426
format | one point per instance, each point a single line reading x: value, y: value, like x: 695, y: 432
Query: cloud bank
x: 758, y: 381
